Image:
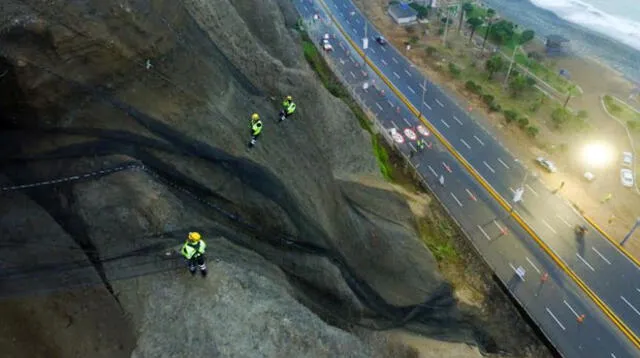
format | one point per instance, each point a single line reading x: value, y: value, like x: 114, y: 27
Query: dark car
x: 381, y: 40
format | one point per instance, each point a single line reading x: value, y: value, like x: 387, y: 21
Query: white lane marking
x: 484, y: 233
x: 585, y: 262
x: 516, y: 271
x: 533, y: 191
x: 601, y: 255
x: 532, y: 265
x: 456, y: 199
x: 457, y: 120
x: 571, y: 308
x: 352, y: 74
x: 465, y: 143
x: 390, y: 103
x: 432, y: 171
x: 439, y: 103
x: 342, y: 62
x: 412, y: 147
x: 473, y: 197
x: 488, y: 166
x: 549, y: 226
x: 407, y: 72
x: 394, y: 59
x: 383, y: 49
x: 384, y: 62
x: 379, y: 106
x: 503, y: 163
x: 426, y: 105
x: 411, y: 89
x: 498, y: 225
x: 630, y: 305
x: 406, y: 121
x: 306, y: 9
x: 371, y: 49
x: 555, y: 318
x: 395, y: 125
x: 613, y: 355
x: 395, y: 74
x: 479, y: 141
x: 563, y: 220
x: 445, y: 123
x: 423, y: 87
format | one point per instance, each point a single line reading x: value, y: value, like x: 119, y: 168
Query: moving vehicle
x: 589, y: 176
x: 626, y: 177
x: 627, y: 159
x: 581, y: 230
x: 546, y: 164
x: 325, y: 43
x: 381, y: 40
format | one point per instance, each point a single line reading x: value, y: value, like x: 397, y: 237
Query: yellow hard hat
x: 255, y: 116
x: 194, y: 236
x: 289, y: 98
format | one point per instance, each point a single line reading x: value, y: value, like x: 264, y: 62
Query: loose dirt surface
x: 564, y: 147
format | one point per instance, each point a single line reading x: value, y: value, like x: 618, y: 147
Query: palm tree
x: 571, y: 91
x: 466, y: 9
x: 491, y: 14
x: 474, y: 23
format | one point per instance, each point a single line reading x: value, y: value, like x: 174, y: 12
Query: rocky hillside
x: 143, y: 106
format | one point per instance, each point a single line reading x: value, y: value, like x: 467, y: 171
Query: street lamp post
x: 628, y: 235
x: 424, y: 90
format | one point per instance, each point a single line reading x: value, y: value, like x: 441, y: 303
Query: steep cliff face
x: 151, y: 99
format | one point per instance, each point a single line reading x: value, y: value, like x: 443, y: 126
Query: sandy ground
x: 595, y: 80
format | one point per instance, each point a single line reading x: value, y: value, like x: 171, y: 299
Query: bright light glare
x: 597, y: 154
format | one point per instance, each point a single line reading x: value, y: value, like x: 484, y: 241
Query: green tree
x: 474, y: 23
x: 533, y: 131
x: 454, y: 70
x: 519, y: 84
x: 526, y: 36
x: 422, y: 11
x: 467, y: 8
x: 571, y: 92
x: 502, y: 32
x: 494, y: 64
x: 560, y: 116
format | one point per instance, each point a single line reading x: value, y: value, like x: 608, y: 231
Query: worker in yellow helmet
x: 193, y: 251
x: 256, y: 129
x: 288, y: 107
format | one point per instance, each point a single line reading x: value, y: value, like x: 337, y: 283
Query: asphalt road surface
x: 556, y: 304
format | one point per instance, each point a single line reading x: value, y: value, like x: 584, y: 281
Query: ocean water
x: 608, y: 30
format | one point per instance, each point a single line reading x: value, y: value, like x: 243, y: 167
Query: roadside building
x: 556, y: 45
x: 403, y: 14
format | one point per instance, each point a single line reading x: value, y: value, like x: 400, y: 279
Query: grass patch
x: 438, y: 233
x: 621, y: 110
x: 382, y: 156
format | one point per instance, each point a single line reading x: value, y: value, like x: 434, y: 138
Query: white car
x: 627, y: 159
x: 626, y: 177
x: 546, y: 164
x: 325, y: 43
x: 589, y: 176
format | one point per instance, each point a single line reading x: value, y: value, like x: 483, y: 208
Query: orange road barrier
x: 581, y: 318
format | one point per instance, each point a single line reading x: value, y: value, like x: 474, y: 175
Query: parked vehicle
x: 381, y: 40
x: 627, y: 159
x: 626, y: 177
x: 326, y: 45
x: 546, y: 164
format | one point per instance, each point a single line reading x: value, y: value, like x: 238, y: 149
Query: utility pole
x: 513, y: 57
x: 487, y: 34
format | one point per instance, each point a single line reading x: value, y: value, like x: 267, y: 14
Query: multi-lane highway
x: 556, y: 303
